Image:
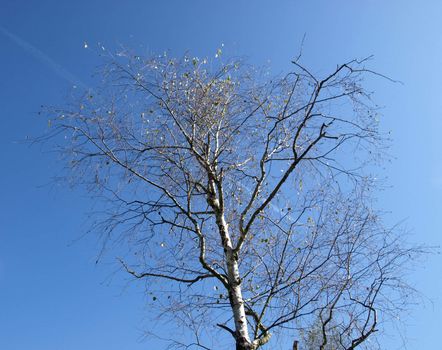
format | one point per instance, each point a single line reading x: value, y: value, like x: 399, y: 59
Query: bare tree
x: 245, y: 200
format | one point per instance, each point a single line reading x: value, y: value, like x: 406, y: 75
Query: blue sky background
x: 52, y: 294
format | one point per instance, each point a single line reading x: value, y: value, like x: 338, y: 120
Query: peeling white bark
x: 234, y: 278
x: 235, y: 293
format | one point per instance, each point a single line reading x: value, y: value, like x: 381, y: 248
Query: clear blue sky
x: 52, y: 295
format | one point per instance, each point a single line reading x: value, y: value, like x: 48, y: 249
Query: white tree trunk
x: 236, y: 299
x: 235, y: 293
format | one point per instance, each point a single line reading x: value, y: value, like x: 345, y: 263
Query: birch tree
x: 244, y: 199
